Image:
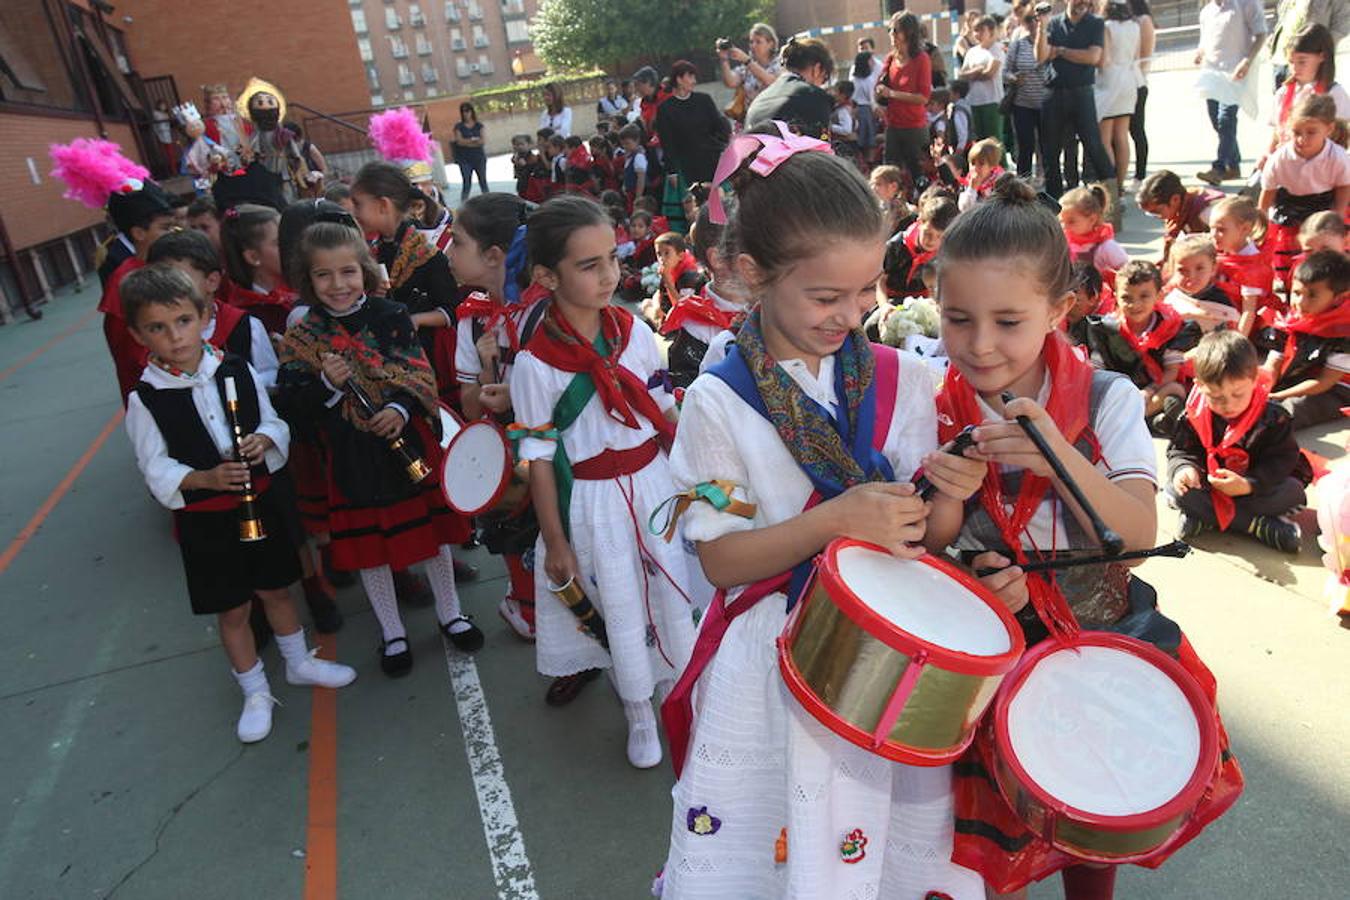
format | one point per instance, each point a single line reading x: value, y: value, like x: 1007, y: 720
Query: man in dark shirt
x: 1072, y: 43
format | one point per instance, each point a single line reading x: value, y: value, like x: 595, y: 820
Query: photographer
x: 1072, y: 43
x: 749, y: 73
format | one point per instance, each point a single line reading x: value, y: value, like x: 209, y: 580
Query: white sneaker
x: 644, y: 742
x: 255, y: 722
x: 509, y: 610
x: 320, y: 672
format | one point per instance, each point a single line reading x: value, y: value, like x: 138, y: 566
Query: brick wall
x: 305, y: 47
x: 35, y: 213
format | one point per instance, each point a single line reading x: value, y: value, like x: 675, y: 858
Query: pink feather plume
x: 94, y: 169
x: 397, y: 134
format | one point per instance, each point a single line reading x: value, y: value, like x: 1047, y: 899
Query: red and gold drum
x: 479, y: 476
x: 898, y: 656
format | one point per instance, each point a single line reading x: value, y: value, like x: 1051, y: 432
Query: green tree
x: 572, y: 34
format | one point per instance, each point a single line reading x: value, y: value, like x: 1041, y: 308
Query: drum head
x: 1104, y: 730
x: 450, y: 423
x: 477, y: 466
x: 924, y: 601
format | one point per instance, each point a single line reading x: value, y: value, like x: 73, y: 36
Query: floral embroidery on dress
x: 700, y: 821
x: 854, y: 847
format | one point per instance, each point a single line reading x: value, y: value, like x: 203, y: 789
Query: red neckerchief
x: 280, y: 295
x: 698, y: 308
x: 491, y: 312
x: 1166, y: 324
x: 579, y: 158
x: 917, y: 255
x: 987, y: 184
x: 1192, y: 204
x: 671, y: 280
x: 1333, y: 323
x: 227, y: 319
x: 1291, y: 88
x: 1069, y: 406
x: 623, y: 395
x: 1226, y: 454
x: 1080, y: 244
x: 111, y: 301
x: 1236, y: 271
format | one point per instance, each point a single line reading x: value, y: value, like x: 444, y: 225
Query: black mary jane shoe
x: 468, y: 640
x: 396, y: 665
x: 564, y: 689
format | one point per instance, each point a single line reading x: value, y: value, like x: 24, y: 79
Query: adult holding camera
x: 905, y: 86
x: 797, y: 96
x: 749, y: 73
x: 1072, y: 43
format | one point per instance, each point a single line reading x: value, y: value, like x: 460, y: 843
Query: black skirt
x: 222, y: 571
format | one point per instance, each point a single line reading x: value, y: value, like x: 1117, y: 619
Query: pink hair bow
x: 773, y: 152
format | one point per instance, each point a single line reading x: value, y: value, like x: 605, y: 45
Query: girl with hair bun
x: 754, y: 766
x: 1004, y: 284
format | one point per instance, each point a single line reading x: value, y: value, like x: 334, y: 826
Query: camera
x: 723, y: 45
x: 1042, y: 9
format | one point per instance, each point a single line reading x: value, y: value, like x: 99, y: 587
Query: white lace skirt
x: 758, y: 763
x: 651, y: 599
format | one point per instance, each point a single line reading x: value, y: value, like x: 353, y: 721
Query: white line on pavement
x: 510, y: 866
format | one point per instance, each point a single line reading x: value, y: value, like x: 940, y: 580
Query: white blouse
x: 263, y: 354
x: 163, y: 474
x: 537, y: 386
x: 468, y: 366
x: 722, y: 438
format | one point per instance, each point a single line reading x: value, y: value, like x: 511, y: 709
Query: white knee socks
x: 441, y: 574
x: 379, y: 585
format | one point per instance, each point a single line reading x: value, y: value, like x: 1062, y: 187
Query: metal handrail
x: 326, y: 117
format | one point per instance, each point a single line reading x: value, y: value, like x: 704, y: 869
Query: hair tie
x: 232, y: 213
x: 774, y: 150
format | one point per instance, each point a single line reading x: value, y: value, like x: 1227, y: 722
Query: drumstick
x: 1175, y: 550
x: 1109, y: 540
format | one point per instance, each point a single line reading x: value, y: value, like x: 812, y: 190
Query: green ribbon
x: 676, y: 503
x: 578, y: 393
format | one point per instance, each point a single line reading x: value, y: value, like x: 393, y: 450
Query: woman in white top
x: 557, y: 114
x: 1118, y: 83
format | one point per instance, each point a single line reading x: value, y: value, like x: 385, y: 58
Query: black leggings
x: 1137, y: 134
x: 467, y: 169
x: 1027, y: 121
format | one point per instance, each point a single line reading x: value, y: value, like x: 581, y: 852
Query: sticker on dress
x: 700, y: 821
x: 854, y: 847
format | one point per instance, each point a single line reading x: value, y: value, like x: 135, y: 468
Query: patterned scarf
x: 413, y: 250
x: 383, y: 368
x: 810, y: 433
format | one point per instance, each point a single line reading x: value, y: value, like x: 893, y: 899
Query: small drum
x: 478, y: 475
x: 1104, y: 746
x: 900, y: 657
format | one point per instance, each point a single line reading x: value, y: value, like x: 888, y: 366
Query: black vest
x: 187, y: 438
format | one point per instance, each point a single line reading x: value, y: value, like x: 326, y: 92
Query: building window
x: 359, y: 21
x: 405, y: 75
x: 513, y: 7
x: 429, y: 74
x: 423, y: 45
x: 462, y: 67
x: 479, y: 36
x: 484, y: 64
x: 409, y: 95
x: 456, y: 39
x: 373, y: 77
x: 475, y: 11
x: 363, y: 45
x: 377, y: 99
x: 399, y: 48
x: 451, y: 11
x: 391, y: 19
x: 415, y: 17
x: 517, y: 31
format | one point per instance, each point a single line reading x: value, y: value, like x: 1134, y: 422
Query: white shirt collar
x: 159, y: 378
x: 351, y: 310
x: 1042, y: 397
x: 819, y: 387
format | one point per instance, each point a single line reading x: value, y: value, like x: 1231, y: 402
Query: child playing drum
x: 1004, y: 282
x: 810, y: 427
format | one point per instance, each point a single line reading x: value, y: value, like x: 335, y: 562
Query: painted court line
x: 69, y: 330
x: 26, y: 533
x: 321, y: 832
x: 506, y: 846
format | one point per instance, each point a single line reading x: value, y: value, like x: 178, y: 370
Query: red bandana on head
x: 1225, y: 454
x: 1165, y: 327
x: 623, y: 395
x: 1069, y: 407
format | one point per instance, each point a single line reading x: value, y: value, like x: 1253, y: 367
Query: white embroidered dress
x: 757, y: 760
x: 650, y: 620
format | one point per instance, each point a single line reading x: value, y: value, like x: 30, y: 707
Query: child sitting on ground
x: 1306, y: 174
x: 1244, y: 272
x: 528, y: 168
x: 1084, y: 214
x: 1182, y: 211
x: 1323, y: 231
x: 711, y: 315
x: 1087, y: 299
x: 984, y: 172
x: 1192, y: 292
x: 177, y: 421
x: 1309, y: 349
x: 887, y: 182
x: 1233, y: 462
x: 1145, y: 341
x: 843, y: 128
x: 916, y: 245
x: 680, y: 276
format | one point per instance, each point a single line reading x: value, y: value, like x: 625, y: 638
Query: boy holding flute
x: 194, y: 417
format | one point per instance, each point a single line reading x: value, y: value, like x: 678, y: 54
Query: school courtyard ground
x: 120, y: 776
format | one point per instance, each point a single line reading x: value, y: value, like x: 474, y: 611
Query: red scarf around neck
x: 698, y: 308
x: 623, y: 395
x: 1080, y: 244
x: 1331, y: 323
x: 918, y: 256
x: 987, y: 183
x: 671, y: 280
x: 227, y: 319
x: 1069, y: 406
x: 1226, y: 454
x: 491, y: 312
x: 1165, y: 327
